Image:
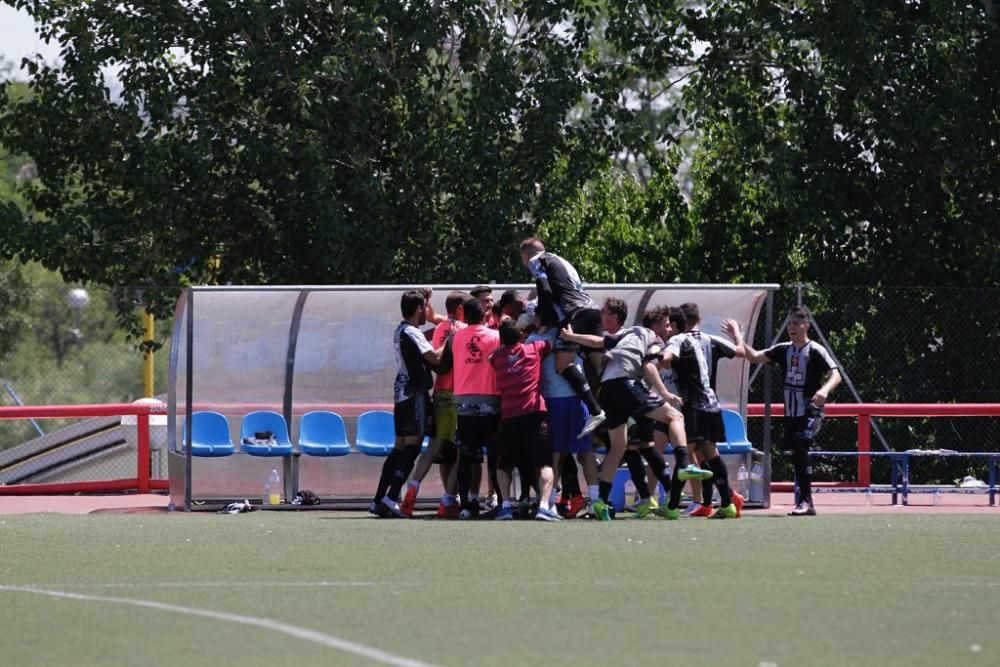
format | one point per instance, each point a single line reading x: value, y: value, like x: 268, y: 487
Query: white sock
x: 594, y: 490
x: 543, y: 504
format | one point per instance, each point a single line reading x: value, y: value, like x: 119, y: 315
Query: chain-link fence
x: 917, y: 345
x: 900, y: 345
x: 63, y: 345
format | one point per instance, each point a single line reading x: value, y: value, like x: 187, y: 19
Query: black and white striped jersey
x: 413, y: 373
x: 567, y: 293
x: 692, y: 366
x: 805, y: 369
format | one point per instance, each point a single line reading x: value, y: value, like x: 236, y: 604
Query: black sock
x: 569, y: 479
x: 388, y: 468
x: 404, y: 466
x: 657, y: 464
x: 677, y: 484
x: 803, y: 475
x: 721, y: 480
x: 465, y: 464
x: 575, y: 377
x: 604, y: 490
x: 707, y: 491
x: 637, y: 470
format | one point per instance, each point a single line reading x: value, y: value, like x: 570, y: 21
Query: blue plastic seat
x: 265, y: 420
x: 209, y: 434
x: 322, y: 433
x: 376, y: 433
x: 736, y: 434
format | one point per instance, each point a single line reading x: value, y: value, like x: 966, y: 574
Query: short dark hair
x: 509, y: 297
x: 692, y: 315
x: 533, y: 244
x: 426, y: 291
x: 800, y: 312
x: 480, y: 289
x: 618, y: 308
x: 509, y: 333
x: 454, y: 300
x: 655, y: 316
x: 677, y: 319
x: 473, y: 311
x: 410, y: 301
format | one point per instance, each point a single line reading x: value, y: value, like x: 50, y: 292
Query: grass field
x: 761, y: 591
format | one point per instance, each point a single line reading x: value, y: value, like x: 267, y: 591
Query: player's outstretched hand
x: 732, y: 329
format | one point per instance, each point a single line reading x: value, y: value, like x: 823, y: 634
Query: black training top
x: 559, y: 285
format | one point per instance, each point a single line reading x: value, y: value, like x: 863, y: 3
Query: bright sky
x: 18, y: 38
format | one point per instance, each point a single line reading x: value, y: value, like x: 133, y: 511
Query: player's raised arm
x: 732, y: 329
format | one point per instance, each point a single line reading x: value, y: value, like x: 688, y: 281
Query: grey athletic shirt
x: 627, y: 352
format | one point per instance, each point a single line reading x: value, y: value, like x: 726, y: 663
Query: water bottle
x: 743, y: 481
x: 757, y: 483
x: 937, y: 498
x: 868, y: 497
x: 272, y: 488
x: 629, y: 492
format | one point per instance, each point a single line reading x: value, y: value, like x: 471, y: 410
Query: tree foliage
x: 849, y: 142
x: 318, y: 142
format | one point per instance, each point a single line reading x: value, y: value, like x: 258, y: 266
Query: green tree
x: 852, y: 142
x: 319, y: 142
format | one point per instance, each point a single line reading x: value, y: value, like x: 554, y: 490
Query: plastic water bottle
x: 629, y: 492
x: 868, y: 497
x: 757, y: 483
x: 937, y: 498
x: 272, y: 488
x: 743, y: 481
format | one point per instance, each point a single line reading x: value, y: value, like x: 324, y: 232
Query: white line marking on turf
x: 215, y: 584
x: 315, y: 636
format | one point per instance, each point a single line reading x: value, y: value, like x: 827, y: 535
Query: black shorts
x: 583, y: 321
x: 703, y: 426
x: 413, y: 417
x: 474, y: 433
x: 524, y: 439
x: 644, y: 430
x: 801, y: 431
x: 447, y: 455
x: 623, y: 398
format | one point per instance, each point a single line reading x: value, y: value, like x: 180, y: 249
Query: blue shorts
x: 566, y: 418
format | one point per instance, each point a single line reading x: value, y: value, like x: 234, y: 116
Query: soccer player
x: 485, y: 295
x: 560, y: 288
x: 632, y: 355
x: 522, y: 426
x: 567, y: 415
x: 810, y: 376
x: 477, y: 401
x: 716, y: 349
x: 441, y: 448
x: 412, y: 414
x: 512, y: 305
x: 688, y: 355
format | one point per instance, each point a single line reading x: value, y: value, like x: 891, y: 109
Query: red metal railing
x: 141, y: 483
x: 865, y: 411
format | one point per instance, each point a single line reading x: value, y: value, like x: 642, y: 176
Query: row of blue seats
x: 321, y: 433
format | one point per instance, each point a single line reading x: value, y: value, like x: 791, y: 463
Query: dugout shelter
x: 293, y: 350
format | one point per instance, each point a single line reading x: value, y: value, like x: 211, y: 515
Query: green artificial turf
x: 834, y: 590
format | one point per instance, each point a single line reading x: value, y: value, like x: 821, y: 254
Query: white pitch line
x: 315, y: 636
x: 215, y: 584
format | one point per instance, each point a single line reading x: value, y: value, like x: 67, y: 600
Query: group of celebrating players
x: 512, y: 384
